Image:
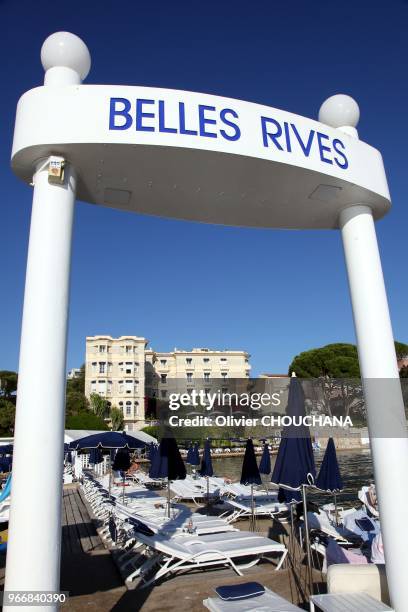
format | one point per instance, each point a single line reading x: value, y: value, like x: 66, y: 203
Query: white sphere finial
x: 339, y: 111
x: 67, y: 50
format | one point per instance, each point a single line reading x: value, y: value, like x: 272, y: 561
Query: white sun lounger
x: 268, y: 602
x: 144, y: 479
x: 183, y: 552
x: 157, y: 521
x: 243, y: 508
x: 184, y: 491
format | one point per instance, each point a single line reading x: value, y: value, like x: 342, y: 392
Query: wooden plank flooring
x: 78, y: 532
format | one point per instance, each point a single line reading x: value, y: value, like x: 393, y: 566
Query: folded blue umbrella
x: 295, y: 464
x: 329, y: 478
x: 250, y: 472
x: 122, y: 460
x: 206, y: 468
x: 167, y: 461
x: 95, y: 456
x: 265, y: 464
x: 190, y: 454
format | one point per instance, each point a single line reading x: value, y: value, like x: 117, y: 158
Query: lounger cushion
x: 235, y: 592
x: 365, y: 524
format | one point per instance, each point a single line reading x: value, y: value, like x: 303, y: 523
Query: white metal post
x: 34, y: 542
x: 385, y: 408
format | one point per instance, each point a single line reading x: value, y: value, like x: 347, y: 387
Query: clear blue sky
x: 273, y: 293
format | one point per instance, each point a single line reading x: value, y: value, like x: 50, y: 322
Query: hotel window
x: 129, y: 386
x: 206, y: 376
x: 128, y: 408
x: 189, y: 360
x: 109, y: 366
x: 223, y: 359
x: 93, y: 386
x: 94, y: 364
x: 120, y: 364
x: 136, y: 407
x: 110, y: 387
x: 120, y: 386
x: 189, y: 377
x: 129, y: 367
x: 102, y: 365
x: 102, y: 348
x: 101, y: 386
x: 206, y: 359
x: 163, y: 362
x: 129, y: 349
x: 224, y: 375
x: 163, y: 378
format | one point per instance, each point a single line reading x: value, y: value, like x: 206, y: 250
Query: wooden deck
x: 78, y: 532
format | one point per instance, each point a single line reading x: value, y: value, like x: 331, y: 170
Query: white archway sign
x: 204, y: 158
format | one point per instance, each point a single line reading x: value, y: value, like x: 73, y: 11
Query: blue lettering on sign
x: 182, y: 119
x: 329, y: 151
x: 121, y: 112
x: 336, y: 144
x: 148, y: 115
x: 141, y: 115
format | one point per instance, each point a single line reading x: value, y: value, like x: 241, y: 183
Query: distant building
x: 126, y: 372
x: 266, y: 375
x: 74, y: 373
x: 115, y: 369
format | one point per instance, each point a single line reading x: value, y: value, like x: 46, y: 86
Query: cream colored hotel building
x: 124, y: 371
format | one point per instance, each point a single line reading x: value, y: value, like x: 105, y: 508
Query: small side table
x: 352, y: 602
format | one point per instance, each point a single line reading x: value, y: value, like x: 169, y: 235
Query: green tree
x: 75, y: 403
x: 334, y: 360
x: 8, y: 383
x: 336, y: 372
x: 85, y: 420
x: 152, y: 430
x: 7, y: 417
x: 116, y: 417
x: 98, y: 405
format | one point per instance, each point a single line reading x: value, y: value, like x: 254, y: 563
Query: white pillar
x: 34, y: 542
x: 385, y: 408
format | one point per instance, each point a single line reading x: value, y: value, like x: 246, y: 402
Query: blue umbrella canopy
x: 250, y: 472
x: 206, y: 468
x: 295, y: 464
x: 167, y: 462
x: 265, y: 464
x: 109, y: 440
x: 329, y: 478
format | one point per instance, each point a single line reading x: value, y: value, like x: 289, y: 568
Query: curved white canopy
x: 198, y: 157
